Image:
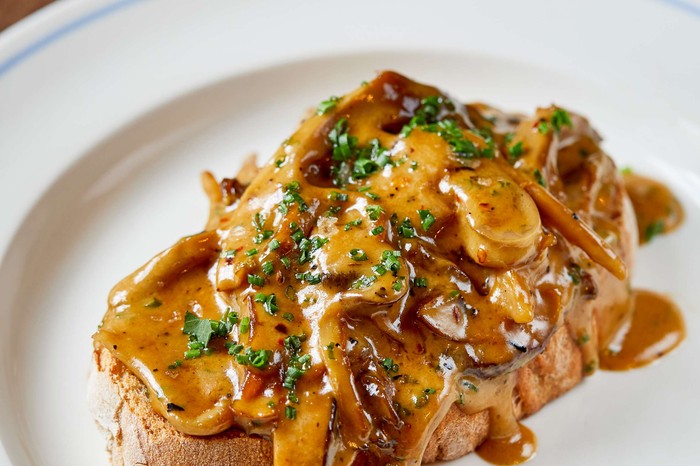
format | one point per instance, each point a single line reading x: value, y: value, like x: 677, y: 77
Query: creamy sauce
x: 652, y: 328
x: 513, y: 449
x: 342, y: 293
x: 656, y: 208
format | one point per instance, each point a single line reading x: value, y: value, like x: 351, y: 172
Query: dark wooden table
x: 12, y: 11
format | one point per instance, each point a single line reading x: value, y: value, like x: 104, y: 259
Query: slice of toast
x: 137, y: 435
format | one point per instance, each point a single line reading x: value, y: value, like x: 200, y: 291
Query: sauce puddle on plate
x: 652, y: 328
x: 515, y: 449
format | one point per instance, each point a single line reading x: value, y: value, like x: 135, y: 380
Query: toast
x: 405, y: 321
x: 136, y: 435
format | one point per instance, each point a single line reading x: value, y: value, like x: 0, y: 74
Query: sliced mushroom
x: 511, y: 294
x: 447, y: 317
x: 501, y: 223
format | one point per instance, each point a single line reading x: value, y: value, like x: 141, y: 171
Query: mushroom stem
x: 567, y: 222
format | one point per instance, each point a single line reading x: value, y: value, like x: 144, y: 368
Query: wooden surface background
x: 12, y: 11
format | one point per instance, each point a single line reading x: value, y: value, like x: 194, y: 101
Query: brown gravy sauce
x: 656, y: 208
x: 652, y: 328
x: 513, y: 449
x: 650, y: 325
x: 388, y: 377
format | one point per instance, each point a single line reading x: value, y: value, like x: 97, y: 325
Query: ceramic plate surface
x: 112, y: 110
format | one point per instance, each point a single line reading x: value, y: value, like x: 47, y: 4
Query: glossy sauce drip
x: 652, y: 328
x: 649, y: 325
x: 513, y: 449
x: 656, y: 208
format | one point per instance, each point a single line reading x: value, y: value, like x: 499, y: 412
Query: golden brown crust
x: 137, y: 435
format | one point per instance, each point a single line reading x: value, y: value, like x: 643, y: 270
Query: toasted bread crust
x: 137, y: 435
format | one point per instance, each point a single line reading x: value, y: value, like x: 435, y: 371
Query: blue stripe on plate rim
x: 689, y: 6
x: 63, y: 31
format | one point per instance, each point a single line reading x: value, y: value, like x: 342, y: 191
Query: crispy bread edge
x: 137, y: 435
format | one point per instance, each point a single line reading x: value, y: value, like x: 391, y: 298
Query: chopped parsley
x: 256, y: 358
x: 574, y: 271
x: 653, y: 229
x: 515, y: 151
x: 353, y: 162
x: 175, y: 365
x: 450, y: 131
x: 336, y: 196
x: 539, y: 178
x: 245, y: 325
x: 390, y: 366
x: 358, y: 255
x: 583, y: 339
x: 255, y: 280
x: 390, y: 262
x: 363, y: 282
x: 201, y: 331
x: 374, y: 211
x: 269, y: 302
x: 309, y: 246
x: 560, y: 118
x: 420, y: 282
x: 405, y: 229
x: 377, y: 230
x: 343, y: 144
x: 259, y: 221
x: 327, y: 105
x: 427, y: 113
x: 233, y: 348
x: 290, y: 412
x: 298, y: 365
x: 293, y: 343
x: 427, y: 219
x: 352, y: 223
x: 153, y: 303
x: 329, y: 348
x: 291, y: 196
x: 262, y: 236
x: 309, y: 278
x: 429, y: 117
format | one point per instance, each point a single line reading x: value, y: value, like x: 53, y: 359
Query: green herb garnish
x: 153, y: 303
x: 653, y: 229
x: 327, y: 105
x: 539, y: 178
x: 353, y: 223
x: 427, y: 219
x: 560, y: 118
x: 420, y: 282
x: 358, y: 255
x: 390, y: 366
x: 406, y: 230
x: 377, y: 230
x: 255, y: 280
x: 374, y: 211
x: 290, y: 412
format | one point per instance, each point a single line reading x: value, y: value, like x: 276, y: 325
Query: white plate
x: 100, y: 167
